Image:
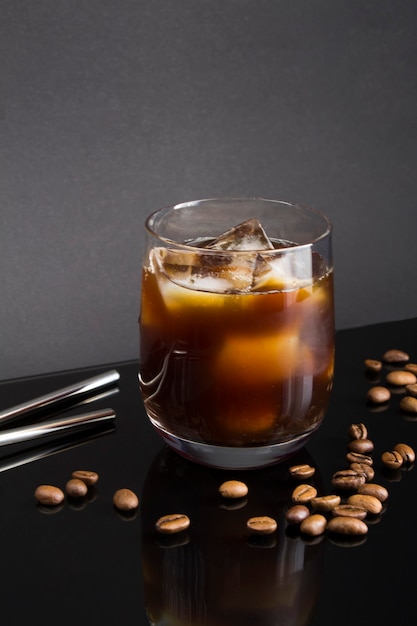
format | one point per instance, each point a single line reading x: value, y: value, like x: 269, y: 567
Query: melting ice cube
x: 248, y: 235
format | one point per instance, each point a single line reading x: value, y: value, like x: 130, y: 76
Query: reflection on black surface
x: 215, y: 573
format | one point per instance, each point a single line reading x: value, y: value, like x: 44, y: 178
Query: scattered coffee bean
x: 49, y: 495
x: 303, y: 494
x: 357, y: 457
x: 325, y: 503
x: 392, y: 459
x: 76, y: 488
x: 297, y: 513
x: 373, y: 365
x: 358, y: 431
x: 262, y: 525
x: 347, y: 479
x: 395, y: 356
x: 406, y: 451
x: 174, y: 523
x: 302, y: 471
x: 125, y: 500
x: 88, y: 477
x: 378, y: 395
x: 411, y: 367
x: 363, y: 468
x: 370, y: 504
x: 361, y: 446
x: 400, y: 378
x: 347, y: 526
x: 408, y: 404
x: 411, y: 390
x: 314, y: 525
x: 233, y: 489
x: 349, y: 510
x: 373, y: 489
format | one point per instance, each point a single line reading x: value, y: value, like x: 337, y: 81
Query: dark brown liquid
x: 236, y: 368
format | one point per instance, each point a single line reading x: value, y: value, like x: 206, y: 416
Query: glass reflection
x: 216, y: 573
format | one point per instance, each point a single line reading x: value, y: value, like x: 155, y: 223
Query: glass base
x: 236, y: 458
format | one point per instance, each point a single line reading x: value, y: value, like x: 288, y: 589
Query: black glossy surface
x: 86, y: 564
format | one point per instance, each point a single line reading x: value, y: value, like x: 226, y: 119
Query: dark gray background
x: 110, y: 109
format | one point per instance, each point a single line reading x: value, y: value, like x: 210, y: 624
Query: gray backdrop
x: 110, y: 109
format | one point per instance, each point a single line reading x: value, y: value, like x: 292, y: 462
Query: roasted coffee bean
x: 325, y: 503
x: 88, y: 477
x: 303, y: 494
x: 361, y: 446
x: 233, y: 489
x: 347, y: 479
x: 373, y: 365
x: 314, y: 525
x: 363, y: 468
x: 356, y: 457
x: 371, y: 504
x: 411, y: 367
x: 411, y: 390
x: 378, y: 394
x: 125, y: 500
x: 49, y: 495
x: 400, y: 378
x: 395, y: 356
x: 392, y: 459
x: 348, y: 510
x: 297, y: 513
x: 347, y: 526
x: 408, y: 404
x: 373, y: 489
x: 76, y: 488
x: 358, y: 431
x: 174, y: 523
x: 302, y: 471
x: 406, y: 452
x: 262, y: 525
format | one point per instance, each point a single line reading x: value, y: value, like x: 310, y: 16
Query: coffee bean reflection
x: 221, y: 575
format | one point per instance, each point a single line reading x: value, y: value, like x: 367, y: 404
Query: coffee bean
x: 411, y: 367
x: 49, y: 495
x: 303, y: 494
x: 314, y: 525
x: 125, y: 500
x: 400, y: 378
x: 356, y: 457
x: 302, y: 471
x: 378, y: 395
x: 411, y: 390
x: 297, y: 513
x: 392, y: 459
x: 363, y: 468
x: 358, y: 431
x: 373, y: 489
x: 349, y: 510
x: 361, y: 446
x: 76, y: 488
x: 347, y: 526
x: 233, y: 489
x: 174, y: 523
x: 373, y: 365
x: 325, y: 503
x: 408, y: 404
x: 395, y: 356
x: 262, y: 525
x: 371, y: 504
x: 406, y: 451
x: 88, y: 477
x: 347, y: 479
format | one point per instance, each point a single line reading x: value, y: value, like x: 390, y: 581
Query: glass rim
x: 230, y: 199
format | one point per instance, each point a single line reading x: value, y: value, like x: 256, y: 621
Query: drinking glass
x: 236, y: 328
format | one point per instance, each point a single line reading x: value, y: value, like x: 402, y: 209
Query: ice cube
x: 248, y: 235
x: 291, y: 269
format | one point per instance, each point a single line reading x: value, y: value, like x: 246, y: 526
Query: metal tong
x: 73, y: 393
